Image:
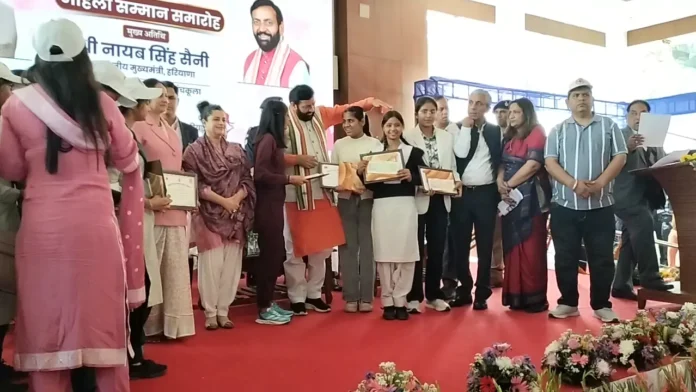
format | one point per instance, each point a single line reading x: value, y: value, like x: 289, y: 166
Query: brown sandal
x: 211, y: 324
x: 225, y: 322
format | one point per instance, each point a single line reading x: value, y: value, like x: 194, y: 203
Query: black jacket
x: 189, y: 134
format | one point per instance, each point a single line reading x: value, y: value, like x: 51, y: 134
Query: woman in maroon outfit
x: 270, y: 180
x: 524, y: 228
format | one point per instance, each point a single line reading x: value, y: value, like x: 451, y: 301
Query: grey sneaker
x: 607, y: 315
x: 365, y: 307
x: 413, y: 307
x: 564, y: 311
x: 281, y: 311
x: 351, y: 307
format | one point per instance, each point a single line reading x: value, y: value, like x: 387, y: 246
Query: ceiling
x: 604, y: 15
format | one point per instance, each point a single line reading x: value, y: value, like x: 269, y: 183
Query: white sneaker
x: 564, y: 311
x: 439, y: 305
x: 413, y: 307
x: 607, y: 315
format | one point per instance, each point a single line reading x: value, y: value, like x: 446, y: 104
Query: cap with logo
x: 580, y: 82
x: 63, y: 35
x: 7, y: 75
x: 504, y: 105
x: 139, y: 91
x: 110, y: 76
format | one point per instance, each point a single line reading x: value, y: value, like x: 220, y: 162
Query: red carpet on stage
x: 332, y: 352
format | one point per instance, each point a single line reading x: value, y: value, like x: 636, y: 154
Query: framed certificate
x: 383, y: 166
x: 438, y: 180
x: 182, y: 188
x: 330, y: 180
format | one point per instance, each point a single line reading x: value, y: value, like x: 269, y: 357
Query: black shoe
x: 7, y: 372
x: 318, y: 305
x: 461, y: 300
x: 299, y: 309
x: 658, y: 285
x: 449, y: 289
x: 624, y: 294
x: 389, y: 313
x: 401, y: 313
x: 6, y: 386
x: 480, y: 305
x: 147, y: 369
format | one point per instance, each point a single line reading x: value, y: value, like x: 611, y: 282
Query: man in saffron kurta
x: 312, y: 224
x: 273, y: 63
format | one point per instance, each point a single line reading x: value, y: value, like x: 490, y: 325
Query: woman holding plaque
x: 270, y: 180
x: 76, y: 264
x: 355, y: 207
x: 524, y: 227
x: 173, y: 318
x: 225, y: 215
x: 395, y: 221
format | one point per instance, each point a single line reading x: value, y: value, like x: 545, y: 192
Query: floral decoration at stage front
x: 389, y: 379
x: 494, y: 371
x: 677, y: 329
x: 636, y: 341
x: 576, y: 358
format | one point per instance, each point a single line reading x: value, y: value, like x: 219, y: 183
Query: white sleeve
x: 462, y: 143
x: 299, y: 75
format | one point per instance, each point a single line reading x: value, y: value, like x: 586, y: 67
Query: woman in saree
x: 227, y: 198
x: 524, y: 227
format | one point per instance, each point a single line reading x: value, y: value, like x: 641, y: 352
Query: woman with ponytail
x: 225, y: 215
x: 355, y: 207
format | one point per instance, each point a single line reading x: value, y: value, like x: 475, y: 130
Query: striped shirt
x: 584, y: 152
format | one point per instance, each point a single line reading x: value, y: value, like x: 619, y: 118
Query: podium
x: 679, y: 182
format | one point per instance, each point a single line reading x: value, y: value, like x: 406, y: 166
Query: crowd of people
x: 102, y: 261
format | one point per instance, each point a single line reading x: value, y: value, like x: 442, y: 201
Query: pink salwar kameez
x: 77, y: 264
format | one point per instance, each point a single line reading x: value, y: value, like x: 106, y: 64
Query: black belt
x: 475, y: 187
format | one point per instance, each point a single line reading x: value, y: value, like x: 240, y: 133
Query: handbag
x: 252, y: 245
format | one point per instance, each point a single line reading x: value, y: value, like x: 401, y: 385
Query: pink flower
x: 573, y: 344
x: 518, y: 385
x: 579, y: 359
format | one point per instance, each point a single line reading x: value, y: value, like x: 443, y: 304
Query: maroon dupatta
x: 225, y: 172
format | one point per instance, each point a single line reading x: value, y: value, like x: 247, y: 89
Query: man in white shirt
x: 478, y: 153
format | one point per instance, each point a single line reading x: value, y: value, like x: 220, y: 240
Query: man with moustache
x: 187, y: 132
x: 634, y: 207
x: 478, y: 150
x: 312, y: 224
x: 274, y: 63
x: 583, y: 155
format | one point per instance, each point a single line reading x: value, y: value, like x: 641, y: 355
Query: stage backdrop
x: 200, y: 45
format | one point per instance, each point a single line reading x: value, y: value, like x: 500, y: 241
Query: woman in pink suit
x: 76, y: 268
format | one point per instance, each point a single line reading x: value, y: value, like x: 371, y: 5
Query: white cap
x: 6, y: 74
x: 61, y: 33
x: 109, y: 75
x: 580, y: 82
x: 138, y: 90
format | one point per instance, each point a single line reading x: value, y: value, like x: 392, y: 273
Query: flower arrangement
x: 635, y: 341
x: 389, y: 379
x: 677, y: 329
x: 576, y: 358
x: 670, y: 274
x: 494, y: 371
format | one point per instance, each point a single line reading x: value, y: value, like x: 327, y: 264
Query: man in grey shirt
x: 583, y: 155
x: 633, y: 208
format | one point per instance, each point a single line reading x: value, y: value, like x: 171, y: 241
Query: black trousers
x: 476, y: 209
x: 637, y: 247
x: 449, y: 263
x: 137, y: 320
x: 569, y: 230
x: 431, y: 226
x: 271, y: 252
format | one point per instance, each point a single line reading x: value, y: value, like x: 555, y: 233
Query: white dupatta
x: 280, y: 57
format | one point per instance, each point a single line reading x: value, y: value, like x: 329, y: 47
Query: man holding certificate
x: 312, y: 223
x: 478, y: 153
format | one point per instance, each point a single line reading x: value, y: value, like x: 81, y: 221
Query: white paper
x: 442, y: 185
x: 672, y: 157
x: 504, y: 208
x: 653, y: 128
x: 383, y: 167
x: 181, y: 189
x: 331, y: 178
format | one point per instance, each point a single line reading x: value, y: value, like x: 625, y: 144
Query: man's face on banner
x: 266, y: 29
